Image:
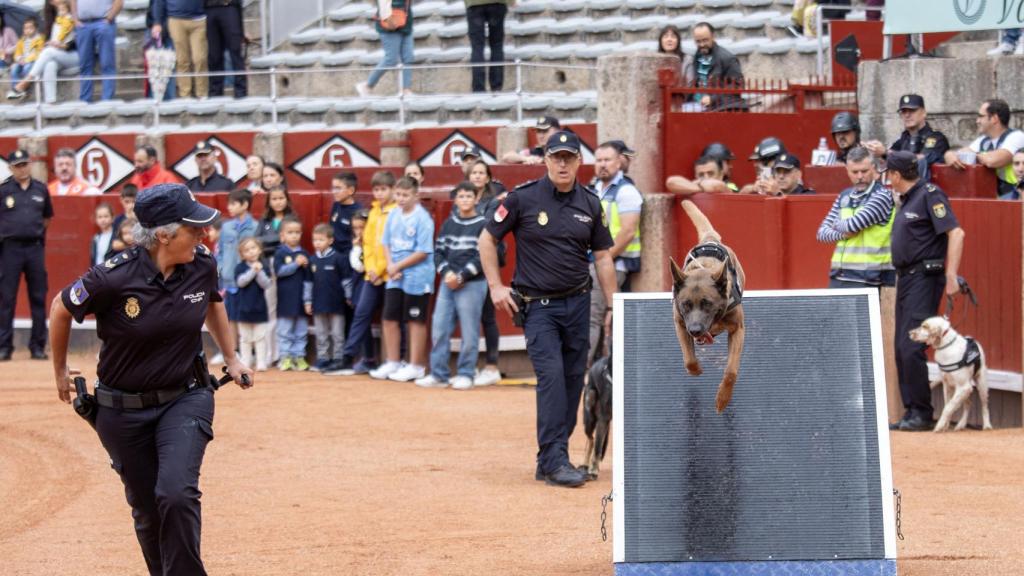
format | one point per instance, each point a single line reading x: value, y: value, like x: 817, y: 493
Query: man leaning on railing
x: 713, y: 67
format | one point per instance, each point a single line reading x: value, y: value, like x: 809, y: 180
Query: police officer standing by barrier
x: 155, y: 414
x: 555, y: 221
x: 25, y: 213
x: 927, y: 243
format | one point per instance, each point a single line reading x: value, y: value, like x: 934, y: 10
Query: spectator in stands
x: 708, y: 178
x: 128, y: 194
x: 545, y: 127
x: 460, y: 294
x: 239, y: 226
x: 918, y: 137
x: 254, y: 328
x: 294, y: 296
x: 860, y: 225
x: 8, y: 41
x: 278, y: 205
x: 26, y: 52
x: 994, y: 148
x: 1009, y: 43
x: 489, y: 14
x: 254, y: 173
x: 66, y: 181
x: 124, y: 237
x: 764, y: 156
x: 788, y: 178
x: 845, y: 133
x: 332, y: 287
x: 489, y: 195
x: 725, y: 155
x: 273, y: 176
x: 626, y: 154
x: 58, y: 54
x: 148, y: 171
x: 414, y: 170
x: 714, y: 67
x: 186, y: 21
x: 394, y: 24
x: 225, y: 31
x: 467, y: 158
x: 622, y: 204
x: 103, y: 216
x: 670, y: 41
x: 1018, y: 171
x: 159, y: 39
x: 208, y: 179
x: 96, y: 32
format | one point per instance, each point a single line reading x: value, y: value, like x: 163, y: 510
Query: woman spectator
x: 489, y: 196
x: 394, y: 24
x: 59, y: 54
x: 670, y: 41
x: 254, y: 172
x: 273, y: 177
x: 414, y: 170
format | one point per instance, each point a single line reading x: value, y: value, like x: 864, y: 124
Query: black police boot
x: 341, y: 368
x: 39, y: 355
x: 5, y: 355
x: 539, y: 474
x: 566, y: 475
x: 918, y: 422
x: 896, y: 425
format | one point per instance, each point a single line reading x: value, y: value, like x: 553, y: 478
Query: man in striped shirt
x: 860, y: 225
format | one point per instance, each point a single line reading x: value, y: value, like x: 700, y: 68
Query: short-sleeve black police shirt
x: 919, y: 229
x: 930, y: 142
x: 22, y: 211
x: 554, y: 232
x: 151, y: 327
x: 215, y: 183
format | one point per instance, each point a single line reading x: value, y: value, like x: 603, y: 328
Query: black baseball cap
x: 786, y: 161
x: 911, y: 102
x: 203, y: 147
x: 900, y: 161
x: 472, y: 152
x: 545, y: 122
x: 621, y: 147
x: 17, y: 157
x: 169, y: 203
x: 767, y: 149
x: 563, y: 141
x: 719, y: 151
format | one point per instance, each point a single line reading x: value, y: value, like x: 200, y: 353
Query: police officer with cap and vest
x: 927, y: 243
x: 208, y: 179
x: 154, y: 396
x: 25, y: 213
x: 556, y: 223
x: 788, y: 177
x: 918, y: 137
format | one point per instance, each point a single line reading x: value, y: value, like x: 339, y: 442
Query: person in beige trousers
x: 186, y: 23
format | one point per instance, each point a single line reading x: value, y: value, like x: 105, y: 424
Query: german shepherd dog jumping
x: 707, y: 294
x: 597, y: 414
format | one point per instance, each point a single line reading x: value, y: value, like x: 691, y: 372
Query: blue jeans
x: 370, y: 299
x: 467, y: 303
x: 397, y: 46
x: 19, y: 71
x: 93, y: 36
x: 292, y: 332
x: 1011, y: 35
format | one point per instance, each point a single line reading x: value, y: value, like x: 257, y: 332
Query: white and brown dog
x: 962, y: 362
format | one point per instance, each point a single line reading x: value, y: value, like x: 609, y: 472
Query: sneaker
x: 462, y: 383
x: 285, y: 364
x: 15, y: 95
x: 386, y: 369
x: 301, y: 365
x: 342, y: 367
x: 431, y: 381
x: 321, y: 365
x: 408, y: 372
x: 486, y: 377
x: 364, y: 367
x: 363, y: 89
x: 1003, y: 49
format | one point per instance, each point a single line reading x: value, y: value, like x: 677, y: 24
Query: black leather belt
x: 929, y: 267
x: 530, y: 295
x: 111, y: 398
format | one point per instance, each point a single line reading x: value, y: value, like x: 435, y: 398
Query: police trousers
x: 557, y: 342
x: 917, y: 298
x: 158, y: 452
x: 26, y: 257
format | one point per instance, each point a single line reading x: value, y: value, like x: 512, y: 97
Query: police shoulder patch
x: 119, y: 259
x: 525, y: 184
x: 202, y: 249
x: 939, y: 209
x: 78, y: 294
x: 931, y: 187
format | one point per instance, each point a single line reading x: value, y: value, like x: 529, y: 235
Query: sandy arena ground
x: 347, y: 476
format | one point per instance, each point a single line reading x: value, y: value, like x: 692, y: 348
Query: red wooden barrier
x: 975, y: 182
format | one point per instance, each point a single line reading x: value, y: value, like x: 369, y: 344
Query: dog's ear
x: 677, y: 273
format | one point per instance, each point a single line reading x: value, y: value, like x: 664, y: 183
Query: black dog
x: 597, y: 414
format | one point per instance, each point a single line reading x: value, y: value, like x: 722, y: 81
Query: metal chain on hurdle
x: 899, y: 513
x: 604, y: 514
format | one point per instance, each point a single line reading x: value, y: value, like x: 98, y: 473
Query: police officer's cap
x: 767, y: 149
x: 719, y: 151
x: 203, y: 147
x: 563, y: 141
x: 911, y: 102
x: 546, y: 122
x: 621, y: 148
x: 472, y: 152
x: 787, y: 161
x: 169, y: 203
x: 900, y: 161
x: 845, y: 122
x: 17, y: 157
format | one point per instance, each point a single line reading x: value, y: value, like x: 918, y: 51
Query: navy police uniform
x: 919, y: 244
x: 216, y: 182
x: 554, y: 232
x: 24, y: 214
x: 154, y: 418
x: 928, y: 142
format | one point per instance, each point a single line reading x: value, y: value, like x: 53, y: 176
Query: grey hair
x: 146, y: 237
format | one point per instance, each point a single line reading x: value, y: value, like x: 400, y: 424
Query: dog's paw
x: 694, y: 369
x: 724, y: 392
x: 941, y: 427
x: 986, y: 426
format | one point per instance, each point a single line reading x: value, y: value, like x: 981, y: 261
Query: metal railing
x: 762, y: 96
x: 274, y: 74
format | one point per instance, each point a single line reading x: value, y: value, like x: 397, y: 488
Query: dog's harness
x: 972, y: 356
x: 718, y: 252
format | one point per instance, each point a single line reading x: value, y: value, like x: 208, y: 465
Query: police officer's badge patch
x: 930, y: 143
x: 939, y: 210
x: 78, y: 293
x: 313, y: 267
x: 287, y: 259
x: 9, y: 202
x: 132, y: 308
x: 500, y: 213
x: 542, y: 218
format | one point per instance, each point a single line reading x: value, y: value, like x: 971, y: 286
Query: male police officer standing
x: 155, y: 414
x: 208, y: 179
x: 25, y: 212
x: 555, y: 221
x: 927, y: 243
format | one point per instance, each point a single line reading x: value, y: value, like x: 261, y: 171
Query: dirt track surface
x: 339, y: 476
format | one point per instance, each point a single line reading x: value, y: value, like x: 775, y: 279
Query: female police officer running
x: 154, y: 417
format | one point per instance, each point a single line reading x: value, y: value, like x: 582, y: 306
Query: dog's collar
x: 972, y: 357
x: 944, y: 346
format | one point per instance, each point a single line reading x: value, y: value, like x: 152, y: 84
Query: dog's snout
x: 695, y: 331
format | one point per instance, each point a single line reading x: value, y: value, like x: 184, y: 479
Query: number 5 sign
x: 102, y: 166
